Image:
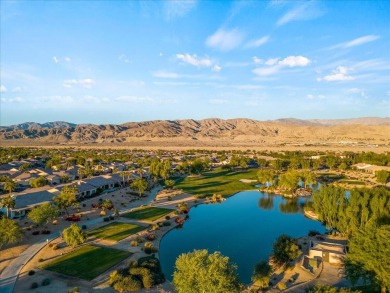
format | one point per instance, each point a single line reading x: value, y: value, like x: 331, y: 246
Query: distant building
x: 332, y: 253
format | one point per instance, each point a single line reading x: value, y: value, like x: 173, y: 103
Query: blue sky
x: 118, y: 61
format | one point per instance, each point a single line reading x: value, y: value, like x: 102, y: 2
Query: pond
x: 243, y: 227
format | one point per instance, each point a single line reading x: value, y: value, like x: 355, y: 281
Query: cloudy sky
x: 119, y: 61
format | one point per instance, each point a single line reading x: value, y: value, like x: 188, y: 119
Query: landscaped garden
x: 218, y: 181
x: 147, y: 213
x: 87, y: 262
x: 115, y: 231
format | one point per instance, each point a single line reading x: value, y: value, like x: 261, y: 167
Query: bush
x: 111, y: 218
x: 45, y: 232
x: 128, y: 283
x: 55, y: 247
x: 150, y: 236
x: 106, y: 219
x: 153, y: 264
x: 84, y: 227
x: 148, y: 247
x: 50, y: 245
x: 102, y: 213
x: 134, y: 243
x: 34, y: 285
x: 46, y: 282
x: 32, y: 272
x: 166, y: 223
x: 35, y: 232
x: 281, y: 286
x: 144, y: 274
x: 41, y: 260
x: 167, y: 217
x: 84, y: 205
x: 76, y: 290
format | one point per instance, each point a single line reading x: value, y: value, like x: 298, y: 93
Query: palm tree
x: 10, y: 185
x: 7, y: 202
x: 123, y: 174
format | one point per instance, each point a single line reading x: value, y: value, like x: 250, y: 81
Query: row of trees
x: 289, y: 180
x: 363, y: 215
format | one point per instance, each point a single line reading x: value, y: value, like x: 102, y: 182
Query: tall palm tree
x: 10, y: 185
x: 7, y: 202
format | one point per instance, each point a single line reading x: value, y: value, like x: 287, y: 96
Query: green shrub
x: 46, y: 282
x: 32, y: 272
x: 144, y: 274
x: 41, y: 260
x: 76, y: 290
x: 166, y: 223
x: 84, y: 227
x: 134, y: 243
x: 34, y: 285
x: 167, y: 217
x: 281, y: 286
x: 55, y: 246
x: 128, y: 283
x: 106, y: 219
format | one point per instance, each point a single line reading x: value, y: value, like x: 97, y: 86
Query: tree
x: 261, y: 274
x: 64, y: 178
x: 199, y: 271
x: 369, y: 249
x: 169, y: 182
x: 9, y: 185
x: 10, y: 232
x: 289, y: 180
x: 38, y: 182
x: 43, y: 214
x: 140, y: 185
x: 308, y: 178
x: 73, y: 235
x: 284, y: 250
x: 382, y: 176
x: 8, y: 203
x: 67, y: 198
x: 266, y: 176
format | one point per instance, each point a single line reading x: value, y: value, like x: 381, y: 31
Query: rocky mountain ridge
x: 212, y: 129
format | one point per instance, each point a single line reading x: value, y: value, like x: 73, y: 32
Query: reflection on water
x: 266, y: 203
x: 243, y: 228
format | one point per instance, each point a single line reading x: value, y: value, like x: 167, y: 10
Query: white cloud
x: 134, y: 99
x: 257, y: 43
x: 356, y: 42
x: 257, y: 60
x: 67, y: 59
x: 315, y: 97
x: 264, y: 71
x: 293, y: 61
x: 123, y: 58
x: 58, y: 100
x: 194, y: 60
x: 178, y: 8
x: 357, y: 91
x: 164, y: 74
x: 86, y: 83
x: 3, y: 89
x: 12, y: 100
x: 217, y: 101
x: 307, y: 11
x: 274, y: 65
x: 361, y: 41
x: 55, y: 60
x: 216, y: 68
x: 271, y: 61
x: 225, y: 40
x: 339, y: 74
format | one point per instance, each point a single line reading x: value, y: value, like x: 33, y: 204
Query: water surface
x: 243, y: 228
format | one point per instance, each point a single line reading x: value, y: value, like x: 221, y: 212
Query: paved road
x: 10, y: 274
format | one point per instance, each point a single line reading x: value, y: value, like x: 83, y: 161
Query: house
x: 329, y: 252
x: 26, y: 201
x: 53, y: 179
x: 370, y: 168
x: 24, y: 178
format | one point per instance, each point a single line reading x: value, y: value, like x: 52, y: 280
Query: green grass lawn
x: 87, y: 262
x: 224, y: 182
x: 147, y: 213
x: 115, y: 231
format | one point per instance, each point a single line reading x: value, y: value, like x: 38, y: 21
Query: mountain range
x: 288, y: 130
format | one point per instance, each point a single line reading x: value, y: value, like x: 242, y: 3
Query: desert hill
x: 289, y: 130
